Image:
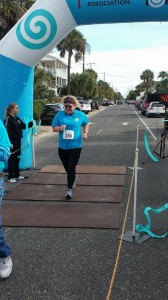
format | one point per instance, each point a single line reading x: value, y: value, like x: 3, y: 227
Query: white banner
x: 38, y: 32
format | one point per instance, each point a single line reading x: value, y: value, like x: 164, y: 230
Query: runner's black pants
x: 70, y: 160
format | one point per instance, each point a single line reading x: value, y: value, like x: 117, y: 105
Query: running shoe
x: 5, y: 266
x: 68, y: 193
x: 12, y: 180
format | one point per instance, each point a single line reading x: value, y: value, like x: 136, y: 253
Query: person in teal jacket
x: 5, y: 252
x: 68, y: 123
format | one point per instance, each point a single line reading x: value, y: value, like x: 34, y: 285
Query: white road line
x: 145, y: 125
x: 99, y: 131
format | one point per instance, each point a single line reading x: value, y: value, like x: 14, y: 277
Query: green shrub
x: 38, y: 106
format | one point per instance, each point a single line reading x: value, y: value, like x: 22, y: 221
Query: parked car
x: 84, y: 106
x: 49, y: 112
x: 128, y: 101
x: 138, y: 104
x: 155, y: 109
x: 105, y: 102
x: 144, y: 106
x: 133, y: 102
x: 60, y: 105
x: 112, y: 102
x: 119, y: 102
x: 94, y: 104
x: 153, y: 97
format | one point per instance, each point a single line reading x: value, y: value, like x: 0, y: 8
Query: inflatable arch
x: 42, y: 27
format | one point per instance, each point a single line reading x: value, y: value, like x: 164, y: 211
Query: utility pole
x: 104, y: 77
x: 104, y: 85
x: 90, y: 65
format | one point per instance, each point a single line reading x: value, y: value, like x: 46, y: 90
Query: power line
x: 90, y: 65
x: 104, y: 73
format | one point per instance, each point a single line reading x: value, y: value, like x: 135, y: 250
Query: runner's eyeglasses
x: 68, y: 106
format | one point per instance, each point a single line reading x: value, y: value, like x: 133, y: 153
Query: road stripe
x: 145, y: 125
x: 99, y: 131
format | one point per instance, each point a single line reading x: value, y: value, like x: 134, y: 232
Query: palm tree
x: 74, y: 44
x: 163, y: 75
x: 86, y: 49
x: 148, y: 78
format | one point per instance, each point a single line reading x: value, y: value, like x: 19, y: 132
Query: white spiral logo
x: 156, y: 3
x: 38, y: 30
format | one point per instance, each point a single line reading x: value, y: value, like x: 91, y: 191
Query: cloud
x: 122, y: 68
x: 121, y: 52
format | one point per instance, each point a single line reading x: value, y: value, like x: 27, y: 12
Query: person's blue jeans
x: 4, y: 248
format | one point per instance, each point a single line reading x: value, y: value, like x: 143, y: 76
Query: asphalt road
x: 77, y: 264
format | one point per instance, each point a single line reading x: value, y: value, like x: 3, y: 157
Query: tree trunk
x: 69, y: 73
x: 83, y: 62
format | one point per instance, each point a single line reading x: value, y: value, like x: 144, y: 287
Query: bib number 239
x: 68, y: 135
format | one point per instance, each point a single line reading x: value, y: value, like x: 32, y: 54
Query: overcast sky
x: 121, y: 52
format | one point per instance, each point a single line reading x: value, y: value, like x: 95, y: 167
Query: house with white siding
x: 52, y: 63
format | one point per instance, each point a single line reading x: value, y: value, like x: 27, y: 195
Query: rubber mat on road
x: 95, y: 201
x: 84, y: 169
x: 63, y: 215
x: 82, y: 179
x: 56, y: 193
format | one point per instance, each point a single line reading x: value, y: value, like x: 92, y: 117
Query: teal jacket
x: 5, y: 145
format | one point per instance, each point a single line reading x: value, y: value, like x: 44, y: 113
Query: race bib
x: 68, y: 135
